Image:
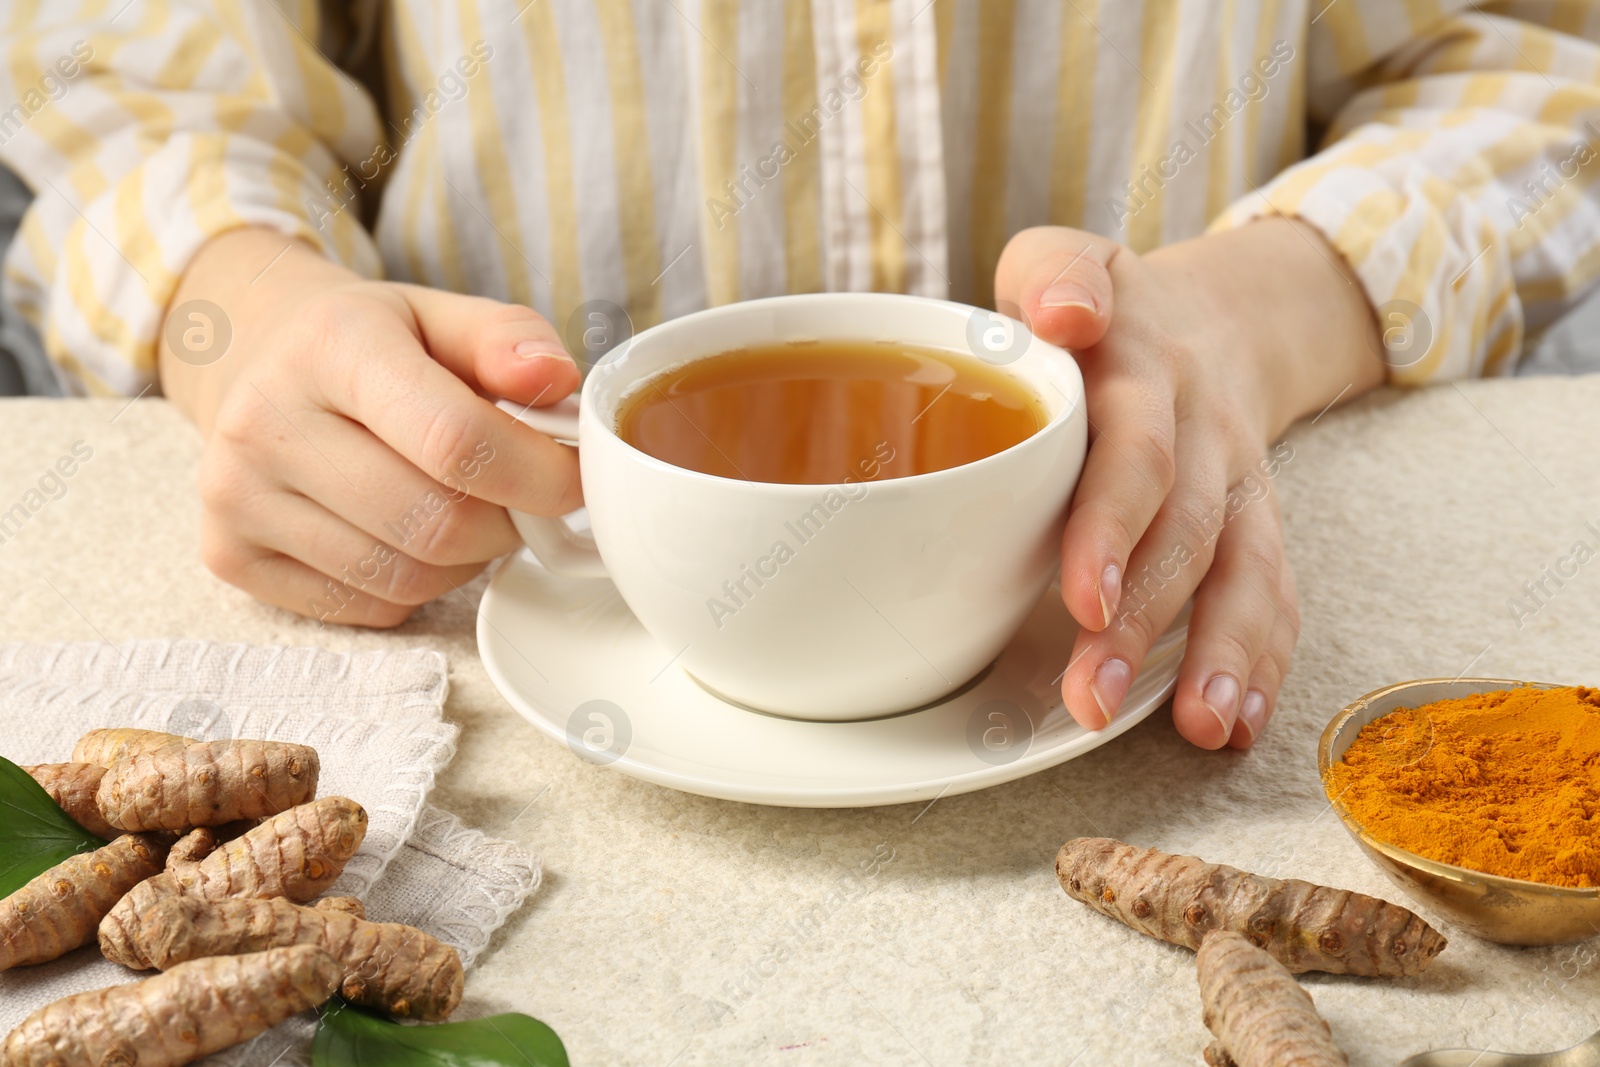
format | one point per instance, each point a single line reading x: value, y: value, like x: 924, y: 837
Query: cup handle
x: 558, y: 420
x: 559, y: 547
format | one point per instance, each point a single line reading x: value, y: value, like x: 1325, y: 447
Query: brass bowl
x: 1509, y: 911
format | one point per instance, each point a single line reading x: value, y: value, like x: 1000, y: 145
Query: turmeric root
x: 192, y: 847
x: 1305, y: 927
x: 193, y: 1010
x: 72, y: 786
x: 105, y: 747
x: 1260, y: 1014
x: 60, y: 909
x: 202, y: 841
x: 398, y: 969
x: 348, y: 905
x: 207, y: 784
x: 296, y: 854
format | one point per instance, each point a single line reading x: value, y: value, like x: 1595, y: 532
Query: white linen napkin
x: 375, y: 719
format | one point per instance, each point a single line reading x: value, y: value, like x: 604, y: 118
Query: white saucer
x: 570, y: 657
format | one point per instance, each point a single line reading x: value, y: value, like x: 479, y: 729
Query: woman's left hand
x: 1195, y: 358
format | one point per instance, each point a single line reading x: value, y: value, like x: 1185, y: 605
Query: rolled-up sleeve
x: 1458, y: 173
x: 147, y: 132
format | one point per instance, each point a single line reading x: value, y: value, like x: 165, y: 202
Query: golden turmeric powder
x: 1505, y: 782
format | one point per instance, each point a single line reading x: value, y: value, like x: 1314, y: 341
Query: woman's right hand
x: 354, y: 466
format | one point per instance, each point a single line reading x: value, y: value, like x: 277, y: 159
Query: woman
x: 220, y: 185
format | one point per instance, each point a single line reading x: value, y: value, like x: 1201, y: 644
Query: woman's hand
x: 353, y: 467
x: 1195, y: 358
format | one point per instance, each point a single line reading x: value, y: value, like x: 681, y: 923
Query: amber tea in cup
x: 822, y: 412
x: 868, y: 603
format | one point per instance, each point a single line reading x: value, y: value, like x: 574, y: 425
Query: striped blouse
x: 659, y: 156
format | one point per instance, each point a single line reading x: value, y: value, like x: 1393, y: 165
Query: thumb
x: 1060, y: 279
x: 504, y: 350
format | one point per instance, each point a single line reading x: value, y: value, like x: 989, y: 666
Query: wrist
x: 252, y: 277
x: 1285, y: 311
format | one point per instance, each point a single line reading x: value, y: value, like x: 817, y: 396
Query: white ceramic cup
x: 814, y: 601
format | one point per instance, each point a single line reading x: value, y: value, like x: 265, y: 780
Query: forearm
x: 251, y: 276
x: 1290, y: 309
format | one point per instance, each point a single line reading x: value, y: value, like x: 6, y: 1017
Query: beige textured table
x: 677, y: 930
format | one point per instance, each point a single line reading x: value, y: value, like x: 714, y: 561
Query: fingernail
x: 1110, y: 685
x: 1067, y: 295
x: 534, y: 349
x: 1110, y: 590
x: 1222, y: 697
x: 1253, y: 716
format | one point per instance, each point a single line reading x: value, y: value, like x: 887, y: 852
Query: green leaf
x: 352, y: 1037
x: 35, y: 834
